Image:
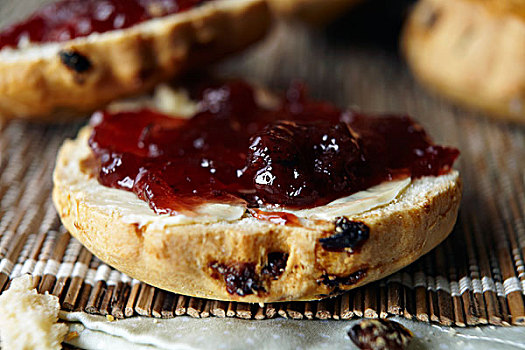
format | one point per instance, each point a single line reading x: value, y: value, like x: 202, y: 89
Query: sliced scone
x: 471, y: 51
x: 74, y: 56
x: 253, y: 198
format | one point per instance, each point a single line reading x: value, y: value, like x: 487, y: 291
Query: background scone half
x: 51, y: 81
x: 227, y: 255
x: 470, y: 51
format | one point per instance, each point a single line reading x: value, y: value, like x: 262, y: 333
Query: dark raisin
x: 240, y: 278
x: 379, y: 334
x: 287, y: 156
x: 348, y: 234
x: 75, y: 61
x: 276, y: 265
x: 334, y: 281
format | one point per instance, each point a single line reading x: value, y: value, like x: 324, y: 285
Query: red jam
x: 302, y: 154
x: 69, y: 19
x: 276, y: 217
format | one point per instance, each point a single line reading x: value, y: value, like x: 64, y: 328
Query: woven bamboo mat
x: 477, y: 276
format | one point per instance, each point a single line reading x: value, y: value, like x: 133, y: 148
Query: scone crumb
x: 29, y: 320
x: 71, y: 335
x: 110, y: 318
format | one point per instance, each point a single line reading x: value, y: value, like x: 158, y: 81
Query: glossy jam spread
x: 301, y: 154
x: 69, y: 19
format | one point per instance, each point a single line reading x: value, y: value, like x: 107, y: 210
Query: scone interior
x: 227, y: 252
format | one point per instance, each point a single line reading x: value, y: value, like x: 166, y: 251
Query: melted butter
x: 166, y: 99
x: 356, y: 203
x: 174, y: 102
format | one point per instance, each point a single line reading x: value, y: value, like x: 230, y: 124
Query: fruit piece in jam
x: 299, y: 155
x: 69, y: 19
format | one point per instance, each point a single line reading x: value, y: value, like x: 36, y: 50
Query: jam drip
x: 69, y: 19
x: 301, y: 154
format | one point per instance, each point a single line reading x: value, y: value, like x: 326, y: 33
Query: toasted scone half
x: 59, y: 80
x: 224, y: 246
x: 470, y: 51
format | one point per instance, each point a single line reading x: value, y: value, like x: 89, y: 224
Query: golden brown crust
x: 470, y: 51
x: 507, y: 7
x: 40, y: 85
x: 312, y: 11
x: 178, y: 257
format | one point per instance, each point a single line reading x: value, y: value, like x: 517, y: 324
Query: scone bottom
x: 266, y: 255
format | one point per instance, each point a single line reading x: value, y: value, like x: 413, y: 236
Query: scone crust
x: 39, y: 85
x: 470, y: 51
x: 178, y: 257
x: 311, y: 11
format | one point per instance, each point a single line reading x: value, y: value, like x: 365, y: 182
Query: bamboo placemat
x: 477, y: 276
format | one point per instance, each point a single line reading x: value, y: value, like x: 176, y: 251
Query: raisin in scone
x: 471, y: 51
x: 251, y: 197
x: 73, y: 56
